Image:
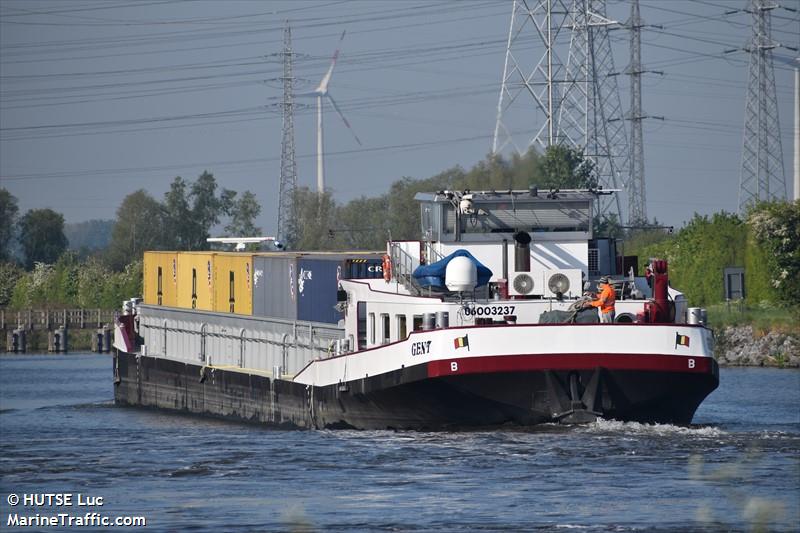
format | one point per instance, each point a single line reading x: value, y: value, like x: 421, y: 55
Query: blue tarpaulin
x: 433, y: 275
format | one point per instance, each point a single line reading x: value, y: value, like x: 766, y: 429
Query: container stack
x: 288, y: 285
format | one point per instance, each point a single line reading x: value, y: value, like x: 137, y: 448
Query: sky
x: 100, y: 98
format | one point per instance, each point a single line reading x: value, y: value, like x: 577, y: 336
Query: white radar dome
x: 461, y: 274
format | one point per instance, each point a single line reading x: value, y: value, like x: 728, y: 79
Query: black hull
x: 410, y: 399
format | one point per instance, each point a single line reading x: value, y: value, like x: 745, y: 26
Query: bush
x: 70, y: 283
x: 10, y: 274
x: 698, y: 254
x: 775, y: 228
x: 766, y: 244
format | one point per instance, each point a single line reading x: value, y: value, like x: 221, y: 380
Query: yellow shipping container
x: 196, y: 280
x: 160, y: 278
x: 233, y: 277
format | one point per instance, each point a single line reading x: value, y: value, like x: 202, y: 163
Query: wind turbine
x: 322, y: 92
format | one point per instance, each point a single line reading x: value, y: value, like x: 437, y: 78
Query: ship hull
x: 518, y: 390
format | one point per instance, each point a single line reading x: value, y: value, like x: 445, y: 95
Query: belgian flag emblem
x: 461, y: 342
x: 681, y: 340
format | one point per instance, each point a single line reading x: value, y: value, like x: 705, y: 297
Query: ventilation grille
x: 523, y: 283
x: 558, y: 283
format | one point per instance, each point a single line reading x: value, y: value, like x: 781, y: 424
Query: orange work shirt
x: 606, y: 299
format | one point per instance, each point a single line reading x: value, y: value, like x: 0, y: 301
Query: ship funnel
x: 661, y: 311
x: 522, y: 252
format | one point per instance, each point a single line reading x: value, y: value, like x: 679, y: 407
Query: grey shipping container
x: 303, y: 285
x: 275, y: 286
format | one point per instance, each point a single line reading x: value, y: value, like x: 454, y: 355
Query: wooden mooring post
x: 58, y: 340
x: 16, y: 341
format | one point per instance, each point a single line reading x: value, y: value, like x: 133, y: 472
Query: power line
x: 402, y: 147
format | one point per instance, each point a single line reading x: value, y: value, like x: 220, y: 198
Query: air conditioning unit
x: 568, y: 282
x: 525, y: 284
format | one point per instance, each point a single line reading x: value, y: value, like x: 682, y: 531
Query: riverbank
x: 745, y: 346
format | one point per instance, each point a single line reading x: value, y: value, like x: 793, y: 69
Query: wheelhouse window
x: 402, y: 333
x: 385, y: 330
x: 361, y: 313
x: 372, y: 328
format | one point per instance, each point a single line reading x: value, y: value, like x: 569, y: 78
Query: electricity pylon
x: 590, y: 115
x: 762, y: 175
x: 637, y: 190
x: 528, y: 103
x: 287, y: 216
x: 576, y: 104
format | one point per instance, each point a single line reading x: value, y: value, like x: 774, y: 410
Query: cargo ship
x: 481, y: 323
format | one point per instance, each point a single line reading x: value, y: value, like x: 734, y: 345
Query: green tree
x: 68, y: 269
x: 89, y: 235
x: 637, y: 239
x: 122, y: 285
x: 193, y: 209
x: 140, y: 225
x: 243, y: 213
x: 8, y: 219
x: 565, y: 168
x: 525, y: 169
x: 315, y: 215
x: 33, y: 288
x: 361, y: 224
x: 91, y: 279
x: 178, y: 215
x: 607, y: 226
x: 207, y: 207
x: 41, y: 234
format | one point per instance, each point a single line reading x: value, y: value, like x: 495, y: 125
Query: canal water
x: 736, y: 468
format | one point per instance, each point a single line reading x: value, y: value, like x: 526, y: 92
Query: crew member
x: 605, y: 301
x: 648, y: 276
